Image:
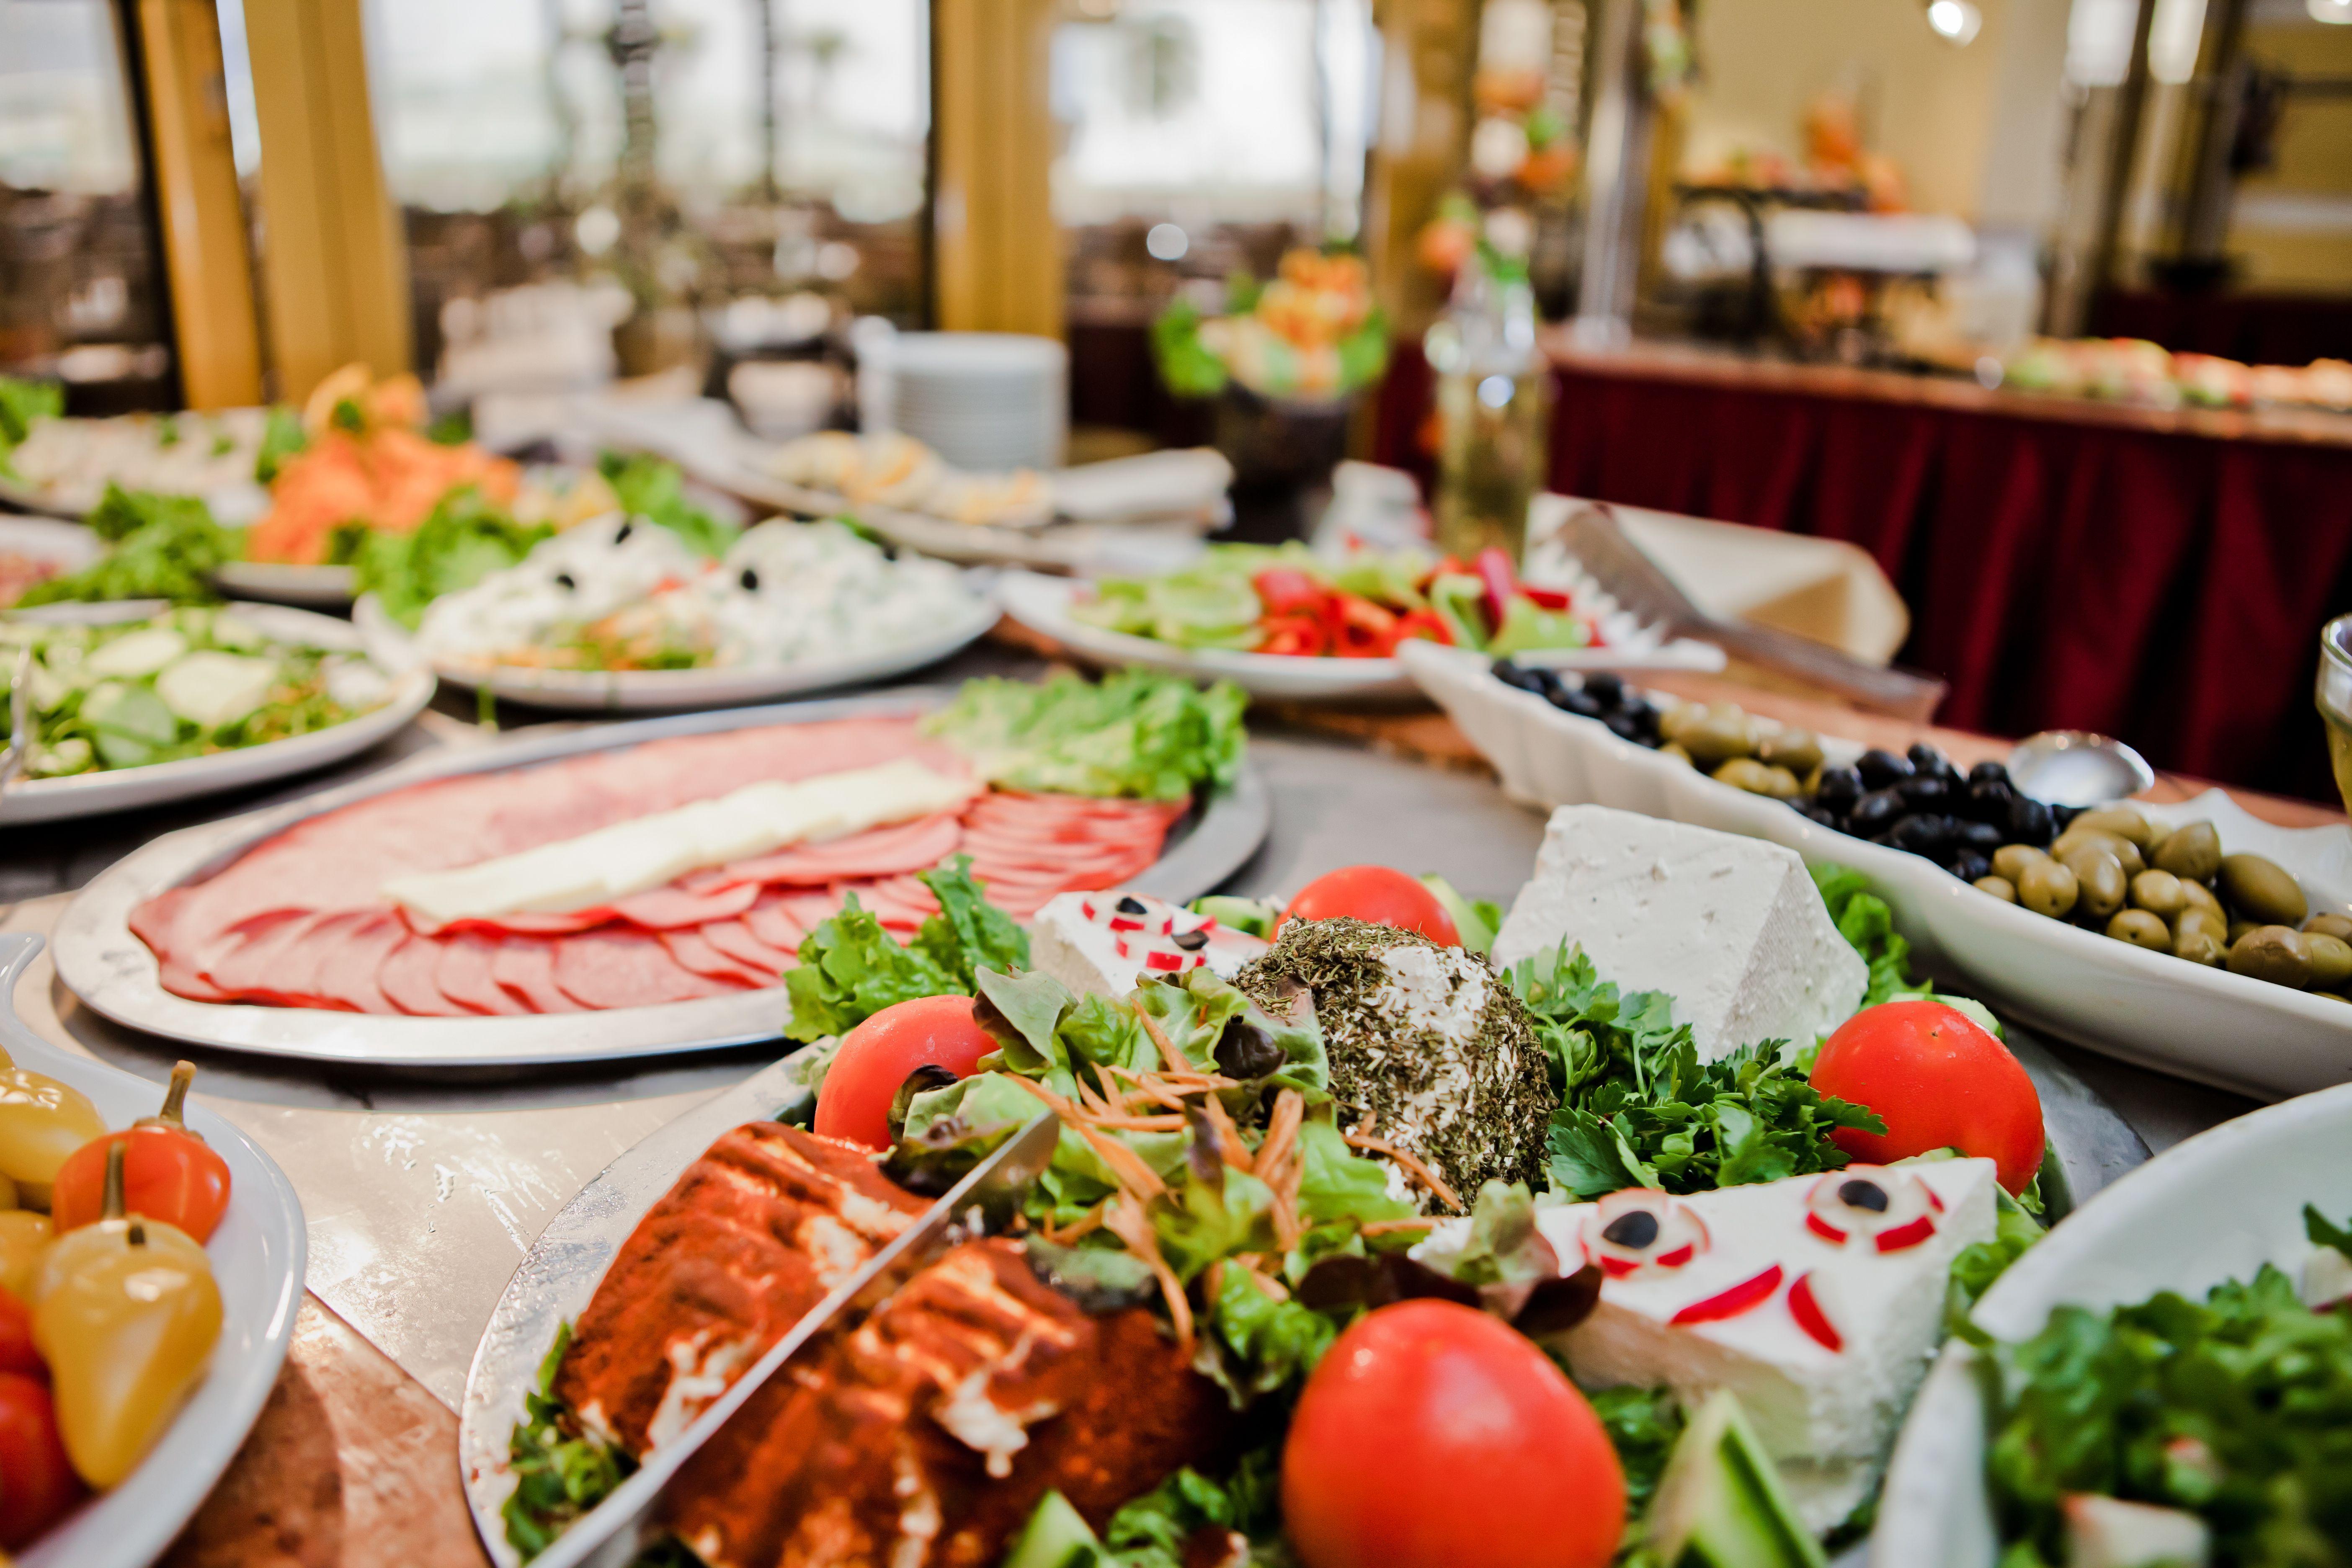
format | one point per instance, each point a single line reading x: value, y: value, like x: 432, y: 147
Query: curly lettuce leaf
x: 1139, y: 733
x: 850, y: 969
x: 466, y: 537
x: 161, y: 547
x: 654, y: 489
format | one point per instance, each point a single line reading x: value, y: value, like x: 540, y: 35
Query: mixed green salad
x: 159, y: 547
x: 1134, y: 733
x: 24, y: 403
x: 185, y: 683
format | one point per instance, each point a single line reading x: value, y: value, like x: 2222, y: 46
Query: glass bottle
x: 1493, y: 404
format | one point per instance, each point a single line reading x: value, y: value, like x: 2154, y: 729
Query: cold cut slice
x: 665, y: 909
x: 464, y: 975
x: 773, y: 923
x: 739, y: 941
x: 525, y: 966
x: 350, y: 951
x: 405, y: 977
x: 693, y: 953
x: 620, y: 968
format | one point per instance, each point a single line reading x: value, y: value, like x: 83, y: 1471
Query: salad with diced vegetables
x: 183, y: 683
x: 622, y: 593
x: 1288, y: 600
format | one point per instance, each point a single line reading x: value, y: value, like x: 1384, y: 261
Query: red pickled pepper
x: 170, y: 1173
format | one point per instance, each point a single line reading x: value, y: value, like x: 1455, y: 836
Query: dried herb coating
x: 1426, y: 1040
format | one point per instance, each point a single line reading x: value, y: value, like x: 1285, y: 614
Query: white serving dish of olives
x: 2200, y: 1021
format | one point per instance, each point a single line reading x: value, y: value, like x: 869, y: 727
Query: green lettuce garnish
x: 656, y: 490
x: 558, y: 1476
x: 466, y: 537
x: 159, y: 547
x: 851, y: 968
x: 1137, y: 733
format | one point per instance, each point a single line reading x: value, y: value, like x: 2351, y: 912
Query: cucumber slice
x: 129, y: 712
x: 1476, y: 920
x: 210, y: 688
x: 134, y: 654
x: 1055, y: 1537
x: 1720, y: 1503
x: 1250, y: 917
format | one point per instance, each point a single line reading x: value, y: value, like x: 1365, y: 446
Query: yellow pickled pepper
x: 41, y: 1123
x: 24, y: 1236
x: 125, y: 1312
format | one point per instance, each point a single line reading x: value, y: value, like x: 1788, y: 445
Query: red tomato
x: 17, y: 1351
x: 1938, y: 1082
x: 40, y: 1482
x: 1432, y: 1436
x: 167, y: 1174
x: 876, y: 1057
x: 1377, y: 894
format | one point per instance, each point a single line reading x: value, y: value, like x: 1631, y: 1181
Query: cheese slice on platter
x: 1107, y: 942
x: 1732, y: 928
x: 652, y: 851
x: 1818, y: 1300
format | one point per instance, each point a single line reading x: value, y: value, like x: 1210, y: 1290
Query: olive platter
x: 2108, y: 869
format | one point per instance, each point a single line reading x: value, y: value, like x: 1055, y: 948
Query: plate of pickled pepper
x: 150, y: 1268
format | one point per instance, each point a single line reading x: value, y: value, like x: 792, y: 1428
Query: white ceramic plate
x: 2146, y: 1007
x: 116, y: 974
x: 659, y: 690
x: 1043, y: 605
x: 314, y: 587
x: 67, y: 545
x: 258, y: 1258
x: 123, y: 789
x: 2216, y: 1207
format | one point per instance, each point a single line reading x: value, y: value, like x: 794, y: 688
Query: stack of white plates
x: 984, y: 401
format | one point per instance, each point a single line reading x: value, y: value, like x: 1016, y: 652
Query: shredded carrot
x: 1382, y: 1227
x: 1126, y: 1220
x: 1177, y: 1060
x: 1411, y: 1165
x: 1125, y: 1164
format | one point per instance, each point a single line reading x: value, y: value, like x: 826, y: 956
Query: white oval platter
x: 258, y: 1258
x: 68, y: 546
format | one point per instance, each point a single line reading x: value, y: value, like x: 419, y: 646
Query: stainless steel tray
x: 116, y: 974
x: 2089, y: 1146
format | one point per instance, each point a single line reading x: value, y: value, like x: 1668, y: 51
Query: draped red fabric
x: 2165, y: 588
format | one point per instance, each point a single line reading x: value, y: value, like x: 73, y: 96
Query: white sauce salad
x: 625, y: 593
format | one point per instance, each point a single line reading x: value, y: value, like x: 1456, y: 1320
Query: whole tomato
x: 1432, y: 1436
x: 874, y: 1059
x: 40, y: 1482
x: 1938, y: 1082
x: 1379, y: 895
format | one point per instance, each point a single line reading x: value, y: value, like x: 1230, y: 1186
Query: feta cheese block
x: 1106, y: 943
x: 1818, y: 1300
x: 1731, y: 928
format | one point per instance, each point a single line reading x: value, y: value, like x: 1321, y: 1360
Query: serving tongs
x: 19, y: 750
x: 1591, y: 533
x: 615, y: 1532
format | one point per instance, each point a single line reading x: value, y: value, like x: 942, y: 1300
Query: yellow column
x: 334, y: 269
x: 997, y: 253
x: 203, y: 217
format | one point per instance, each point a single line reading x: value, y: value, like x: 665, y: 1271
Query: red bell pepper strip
x: 1493, y: 569
x: 1730, y: 1303
x: 1360, y: 628
x: 1545, y: 598
x: 1426, y: 624
x: 1298, y: 635
x: 1285, y: 589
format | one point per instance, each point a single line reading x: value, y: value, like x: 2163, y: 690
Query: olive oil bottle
x: 1493, y: 407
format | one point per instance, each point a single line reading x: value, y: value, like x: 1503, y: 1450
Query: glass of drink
x: 2335, y: 697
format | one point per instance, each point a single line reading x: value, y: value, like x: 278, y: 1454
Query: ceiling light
x: 1956, y: 21
x: 2334, y: 12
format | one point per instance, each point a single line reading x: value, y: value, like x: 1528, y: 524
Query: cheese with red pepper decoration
x: 1818, y: 1300
x: 1107, y: 942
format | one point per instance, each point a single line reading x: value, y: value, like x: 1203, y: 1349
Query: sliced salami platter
x: 631, y: 888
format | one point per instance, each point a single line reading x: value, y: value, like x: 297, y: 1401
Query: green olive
x: 1780, y: 783
x: 2260, y: 890
x: 2198, y: 896
x: 1720, y: 734
x: 2101, y: 875
x: 2049, y: 889
x: 2000, y: 888
x: 2238, y: 929
x: 2199, y: 944
x: 1799, y: 750
x: 2192, y: 918
x: 2140, y: 928
x: 2125, y: 822
x: 2126, y: 852
x: 2158, y: 892
x: 2279, y: 955
x: 2012, y: 860
x: 2330, y: 923
x: 1676, y: 717
x: 2331, y: 959
x: 2192, y: 853
x: 1748, y: 774
x: 2331, y: 995
x: 1671, y: 749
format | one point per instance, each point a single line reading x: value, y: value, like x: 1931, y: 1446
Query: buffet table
x: 422, y: 1193
x: 2157, y: 575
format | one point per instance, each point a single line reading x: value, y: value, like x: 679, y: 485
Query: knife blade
x: 613, y: 1533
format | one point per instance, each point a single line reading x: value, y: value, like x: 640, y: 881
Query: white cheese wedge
x: 1732, y: 928
x: 211, y: 688
x: 1089, y: 943
x: 1826, y: 1414
x: 654, y: 851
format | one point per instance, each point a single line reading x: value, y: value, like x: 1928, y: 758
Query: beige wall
x: 2293, y: 226
x: 1929, y: 106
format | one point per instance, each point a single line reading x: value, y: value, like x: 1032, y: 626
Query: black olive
x: 1988, y: 773
x: 1875, y: 812
x: 1511, y: 675
x: 750, y: 579
x: 1605, y: 688
x: 1988, y: 800
x: 563, y: 581
x: 1969, y: 866
x: 1190, y: 941
x: 1860, y: 1193
x: 1879, y: 769
x: 1925, y: 833
x: 1622, y: 727
x: 1927, y: 759
x: 1812, y: 813
x: 1981, y: 836
x: 1246, y: 1052
x: 1636, y: 1229
x: 1924, y: 789
x: 621, y: 534
x: 1840, y: 786
x: 2063, y: 817
x: 1569, y: 700
x: 2029, y: 822
x: 1130, y: 906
